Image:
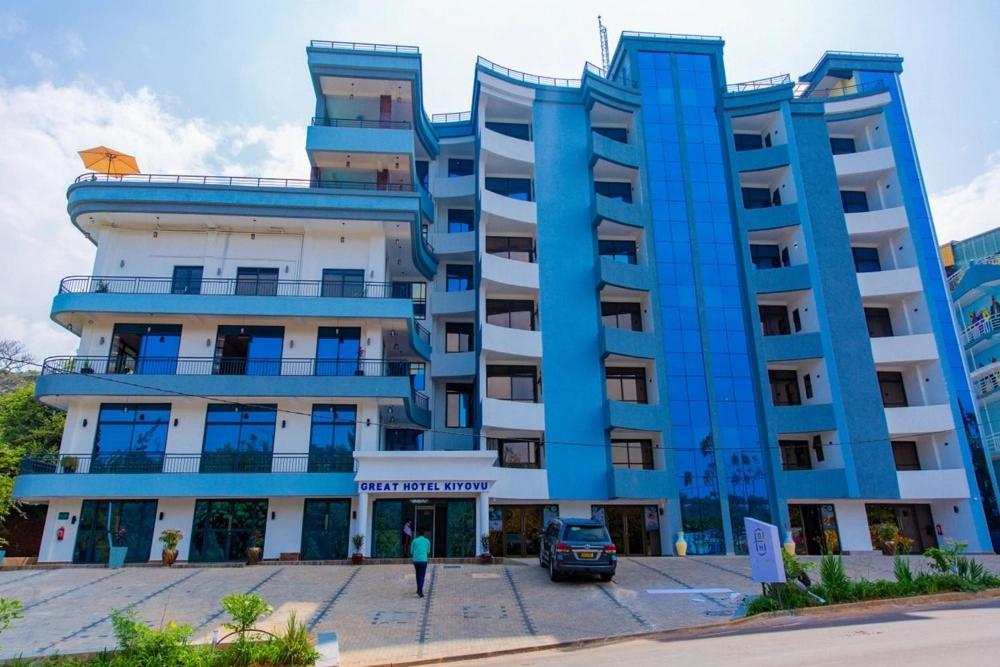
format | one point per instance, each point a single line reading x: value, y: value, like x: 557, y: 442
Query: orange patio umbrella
x: 108, y: 161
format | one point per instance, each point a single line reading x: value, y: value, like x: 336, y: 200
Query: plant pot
x: 253, y: 555
x: 681, y: 545
x: 789, y: 544
x: 485, y: 559
x: 357, y: 559
x: 169, y: 557
x: 3, y: 554
x: 116, y: 557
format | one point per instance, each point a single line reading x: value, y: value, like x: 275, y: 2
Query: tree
x: 14, y: 355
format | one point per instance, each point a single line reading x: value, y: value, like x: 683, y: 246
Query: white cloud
x: 43, y: 64
x: 43, y: 128
x: 969, y: 209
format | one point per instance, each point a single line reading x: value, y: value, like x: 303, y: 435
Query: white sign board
x: 764, y: 547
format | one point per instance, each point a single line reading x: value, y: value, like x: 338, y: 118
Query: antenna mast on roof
x: 605, y: 59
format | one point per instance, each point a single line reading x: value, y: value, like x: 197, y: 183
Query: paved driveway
x: 470, y: 608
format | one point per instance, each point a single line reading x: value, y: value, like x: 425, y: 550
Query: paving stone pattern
x: 375, y: 611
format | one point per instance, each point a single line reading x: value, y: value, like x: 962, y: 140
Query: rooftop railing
x: 528, y: 78
x: 667, y: 35
x: 204, y: 462
x: 359, y: 122
x: 277, y: 366
x: 841, y: 91
x: 363, y: 46
x: 233, y: 287
x: 245, y: 181
x: 759, y: 84
x: 453, y: 117
x: 604, y: 74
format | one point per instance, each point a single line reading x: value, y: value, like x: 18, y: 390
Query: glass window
x: 621, y: 315
x: 765, y: 256
x: 256, y: 281
x: 130, y: 437
x: 619, y: 134
x: 519, y: 248
x: 614, y: 190
x: 842, y: 145
x: 332, y: 438
x: 746, y: 141
x: 756, y: 197
x: 238, y: 438
x: 516, y: 130
x: 460, y: 167
x: 338, y: 350
x: 132, y: 520
x: 458, y: 405
x: 421, y: 167
x: 795, y: 455
x: 854, y: 201
x: 879, y: 322
x: 512, y: 383
x: 618, y: 250
x: 404, y: 440
x: 634, y: 454
x: 248, y: 350
x: 866, y: 259
x: 774, y: 320
x: 223, y: 529
x: 511, y: 313
x: 144, y: 349
x: 905, y: 455
x: 515, y: 188
x: 784, y: 387
x: 458, y: 277
x: 186, y: 280
x: 458, y: 336
x: 343, y: 282
x: 796, y: 320
x: 461, y: 220
x: 893, y: 389
x: 625, y: 384
x: 586, y: 534
x: 807, y: 384
x: 418, y: 374
x: 519, y: 453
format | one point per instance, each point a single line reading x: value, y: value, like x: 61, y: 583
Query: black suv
x: 578, y: 546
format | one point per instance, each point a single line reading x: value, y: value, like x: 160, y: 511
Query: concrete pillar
x: 361, y: 525
x: 482, y: 521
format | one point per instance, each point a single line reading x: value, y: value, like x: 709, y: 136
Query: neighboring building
x: 643, y: 295
x: 973, y: 268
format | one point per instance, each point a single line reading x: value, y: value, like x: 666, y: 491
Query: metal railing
x: 233, y: 287
x: 124, y: 365
x: 987, y: 384
x: 759, y: 84
x: 453, y: 117
x: 667, y: 35
x: 360, y: 122
x: 992, y: 444
x: 363, y: 46
x: 981, y: 329
x: 955, y: 278
x: 245, y: 181
x: 528, y: 78
x: 204, y: 462
x: 422, y: 332
x: 421, y: 400
x: 604, y: 74
x: 841, y: 91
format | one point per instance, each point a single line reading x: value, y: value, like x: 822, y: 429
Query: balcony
x: 864, y: 162
x: 640, y: 484
x: 625, y: 343
x: 513, y: 415
x: 507, y: 147
x: 453, y: 303
x: 770, y: 217
x: 759, y: 159
x: 634, y: 416
x: 507, y: 342
x: 453, y: 364
x: 455, y: 187
x: 811, y: 484
x: 813, y: 418
x: 986, y: 381
x: 502, y: 213
x: 890, y: 282
x: 624, y: 276
x: 346, y: 135
x: 919, y: 419
x: 616, y: 152
x: 933, y: 484
x: 980, y: 331
x: 876, y: 223
x: 615, y: 210
x: 904, y: 349
x: 502, y: 271
x: 785, y: 279
x: 793, y: 346
x: 461, y: 243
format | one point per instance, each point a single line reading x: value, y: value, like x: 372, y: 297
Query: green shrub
x: 246, y: 609
x: 833, y: 578
x: 902, y: 570
x: 143, y: 646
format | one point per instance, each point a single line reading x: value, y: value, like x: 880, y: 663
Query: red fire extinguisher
x: 940, y: 530
x: 61, y: 533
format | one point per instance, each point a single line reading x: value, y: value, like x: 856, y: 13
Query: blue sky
x: 222, y: 87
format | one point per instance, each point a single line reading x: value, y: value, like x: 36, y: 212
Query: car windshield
x: 586, y: 534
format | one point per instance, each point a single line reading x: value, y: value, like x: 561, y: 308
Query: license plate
x: 586, y: 555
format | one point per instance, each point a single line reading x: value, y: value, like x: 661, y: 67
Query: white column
x: 483, y: 521
x: 361, y: 525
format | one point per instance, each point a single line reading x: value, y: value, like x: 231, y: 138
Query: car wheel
x: 606, y: 576
x: 553, y: 575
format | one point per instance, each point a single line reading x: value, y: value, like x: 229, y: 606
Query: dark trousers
x: 421, y: 570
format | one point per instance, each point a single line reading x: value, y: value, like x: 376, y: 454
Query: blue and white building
x: 645, y: 295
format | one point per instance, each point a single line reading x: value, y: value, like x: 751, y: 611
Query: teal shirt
x: 420, y: 548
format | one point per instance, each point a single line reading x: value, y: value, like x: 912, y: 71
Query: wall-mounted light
x: 273, y: 515
x: 84, y: 422
x: 282, y: 423
x: 392, y: 332
x: 218, y: 271
x: 368, y: 422
x: 354, y: 514
x: 121, y: 264
x: 176, y: 421
x: 102, y: 340
x: 156, y: 234
x: 291, y: 343
x: 208, y: 342
x: 161, y: 516
x: 252, y: 236
x: 369, y: 340
x: 954, y: 508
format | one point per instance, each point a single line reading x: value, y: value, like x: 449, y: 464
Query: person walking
x: 407, y: 536
x: 420, y: 549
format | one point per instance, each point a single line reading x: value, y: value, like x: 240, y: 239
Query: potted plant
x: 358, y: 541
x: 170, y: 538
x: 3, y: 550
x: 87, y: 369
x: 70, y: 464
x: 255, y: 548
x: 118, y: 549
x: 101, y: 286
x: 485, y: 556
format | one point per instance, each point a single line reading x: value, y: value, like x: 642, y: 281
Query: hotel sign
x: 429, y: 486
x: 764, y: 548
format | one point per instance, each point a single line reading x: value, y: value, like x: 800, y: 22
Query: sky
x: 222, y: 87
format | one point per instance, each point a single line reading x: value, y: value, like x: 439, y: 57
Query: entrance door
x: 423, y: 520
x: 627, y: 526
x: 129, y: 523
x: 223, y: 529
x: 325, y: 528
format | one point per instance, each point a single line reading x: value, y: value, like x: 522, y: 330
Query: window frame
x: 618, y: 376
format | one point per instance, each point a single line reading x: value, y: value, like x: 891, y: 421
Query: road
x: 965, y: 633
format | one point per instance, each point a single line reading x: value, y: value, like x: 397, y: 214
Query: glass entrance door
x: 521, y: 527
x: 424, y: 521
x: 325, y: 527
x: 128, y: 522
x: 632, y: 531
x: 223, y: 529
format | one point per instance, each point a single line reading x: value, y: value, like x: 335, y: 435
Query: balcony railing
x: 991, y: 442
x: 987, y: 384
x: 840, y: 91
x: 122, y: 365
x: 363, y: 46
x: 453, y: 117
x: 955, y: 278
x: 981, y: 328
x: 246, y: 182
x: 357, y: 122
x: 204, y: 462
x: 759, y: 84
x: 528, y: 78
x: 604, y: 74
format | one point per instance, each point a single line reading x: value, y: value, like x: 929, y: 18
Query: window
x: 756, y: 197
x: 625, y: 384
x: 460, y: 220
x: 418, y: 373
x: 748, y: 142
x: 879, y: 322
x: 511, y: 313
x: 338, y: 350
x: 521, y: 453
x: 519, y: 248
x: 621, y: 315
x: 131, y: 437
x: 765, y: 256
x: 421, y: 167
x: 343, y: 282
x: 144, y: 349
x: 854, y: 201
x: 807, y: 383
x: 460, y: 167
x: 784, y: 387
x: 905, y: 455
x: 866, y: 259
x: 458, y: 277
x: 332, y: 438
x: 255, y: 281
x: 458, y: 336
x: 248, y: 350
x: 515, y: 130
x: 614, y: 190
x: 623, y: 252
x: 818, y: 448
x: 796, y: 320
x: 893, y: 389
x: 619, y: 134
x: 458, y: 405
x: 795, y: 455
x: 238, y: 438
x: 186, y: 280
x: 418, y: 293
x: 515, y: 188
x: 634, y: 454
x: 512, y: 383
x: 842, y: 145
x: 403, y: 440
x: 774, y: 320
